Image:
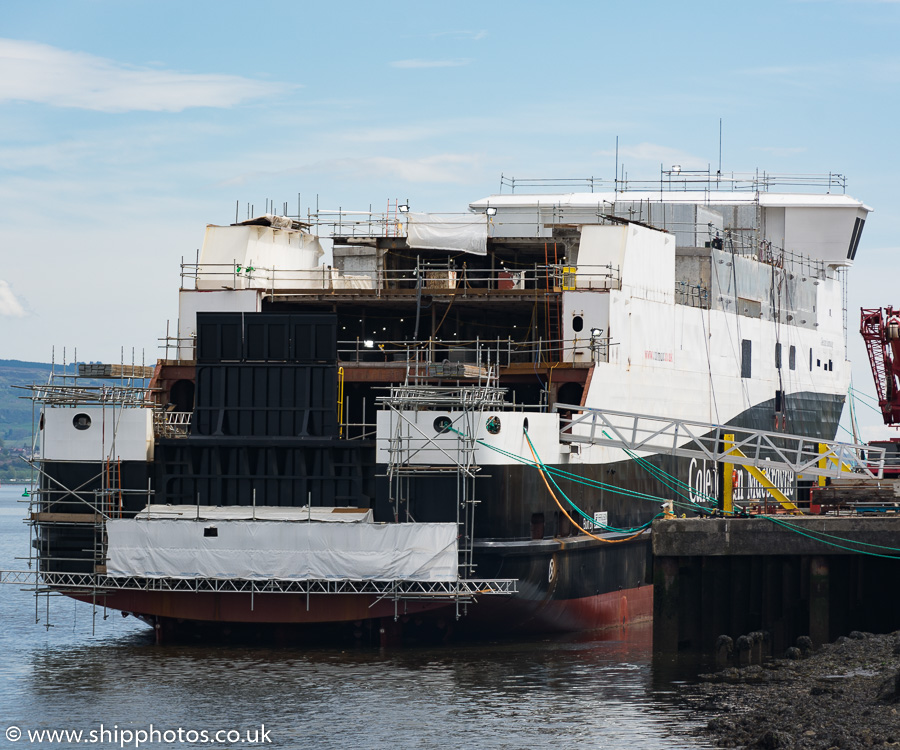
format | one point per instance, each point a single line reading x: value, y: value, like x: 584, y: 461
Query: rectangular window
x: 855, y: 238
x: 746, y: 351
x: 810, y: 360
x: 792, y: 358
x: 778, y: 356
x: 779, y: 401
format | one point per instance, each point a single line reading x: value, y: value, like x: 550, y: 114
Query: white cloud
x: 783, y: 150
x: 405, y: 133
x: 475, y: 36
x: 35, y: 72
x: 851, y: 2
x: 657, y: 154
x: 440, y: 168
x: 789, y: 71
x: 398, y: 134
x: 9, y: 305
x: 456, y: 63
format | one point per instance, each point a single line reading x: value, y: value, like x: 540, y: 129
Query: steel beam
x: 647, y: 434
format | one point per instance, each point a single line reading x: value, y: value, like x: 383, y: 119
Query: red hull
x: 490, y: 615
x: 263, y: 609
x: 609, y: 610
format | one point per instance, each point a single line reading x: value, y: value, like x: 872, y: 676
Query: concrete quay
x: 734, y: 576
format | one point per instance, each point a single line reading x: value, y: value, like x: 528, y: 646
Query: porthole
x: 442, y: 424
x: 577, y: 324
x: 493, y: 425
x: 81, y: 421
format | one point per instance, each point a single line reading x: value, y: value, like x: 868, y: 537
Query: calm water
x: 83, y: 673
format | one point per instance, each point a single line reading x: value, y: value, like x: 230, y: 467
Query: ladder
x: 552, y: 305
x: 407, y: 440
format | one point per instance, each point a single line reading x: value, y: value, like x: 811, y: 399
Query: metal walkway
x: 88, y: 583
x: 643, y: 433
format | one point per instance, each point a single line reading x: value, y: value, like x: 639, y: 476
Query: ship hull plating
x: 567, y: 581
x: 561, y: 588
x: 276, y: 399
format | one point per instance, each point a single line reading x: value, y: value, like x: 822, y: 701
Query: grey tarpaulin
x: 466, y: 233
x: 282, y: 549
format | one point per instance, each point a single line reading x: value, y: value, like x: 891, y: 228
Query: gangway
x: 643, y: 433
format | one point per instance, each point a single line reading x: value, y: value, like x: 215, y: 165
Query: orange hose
x: 565, y: 513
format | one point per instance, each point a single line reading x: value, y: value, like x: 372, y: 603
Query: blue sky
x: 125, y: 127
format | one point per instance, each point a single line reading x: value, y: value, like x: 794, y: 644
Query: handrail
x: 401, y: 588
x: 504, y: 352
x: 677, y: 179
x: 445, y: 276
x: 172, y: 423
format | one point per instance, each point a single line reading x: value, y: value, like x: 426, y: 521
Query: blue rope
x: 576, y: 508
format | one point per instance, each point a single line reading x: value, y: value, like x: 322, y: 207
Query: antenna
x: 617, y: 165
x: 719, y: 173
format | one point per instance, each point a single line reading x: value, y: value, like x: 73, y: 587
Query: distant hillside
x: 16, y: 414
x: 15, y: 411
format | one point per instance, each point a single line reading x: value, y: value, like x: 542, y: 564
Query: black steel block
x: 212, y: 472
x: 266, y: 337
x: 259, y: 400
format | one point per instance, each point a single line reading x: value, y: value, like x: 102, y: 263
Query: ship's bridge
x: 784, y: 211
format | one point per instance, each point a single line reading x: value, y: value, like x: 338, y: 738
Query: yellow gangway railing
x: 759, y: 476
x: 340, y: 402
x: 825, y: 460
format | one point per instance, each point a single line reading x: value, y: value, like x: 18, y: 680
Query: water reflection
x: 510, y: 694
x: 591, y: 691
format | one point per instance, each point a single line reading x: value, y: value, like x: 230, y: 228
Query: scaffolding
x: 82, y: 509
x: 86, y: 584
x: 59, y: 506
x: 408, y: 440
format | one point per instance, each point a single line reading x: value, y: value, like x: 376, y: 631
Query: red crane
x: 881, y: 332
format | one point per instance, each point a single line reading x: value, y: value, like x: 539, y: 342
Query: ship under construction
x: 453, y: 423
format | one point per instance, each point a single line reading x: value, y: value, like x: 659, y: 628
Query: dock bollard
x: 744, y: 650
x: 758, y: 638
x: 724, y: 651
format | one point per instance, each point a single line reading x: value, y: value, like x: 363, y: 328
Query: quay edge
x: 733, y: 576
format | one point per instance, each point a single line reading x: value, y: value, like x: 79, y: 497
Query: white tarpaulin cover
x: 341, y: 280
x: 429, y: 231
x: 260, y: 513
x: 284, y: 550
x: 259, y: 257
